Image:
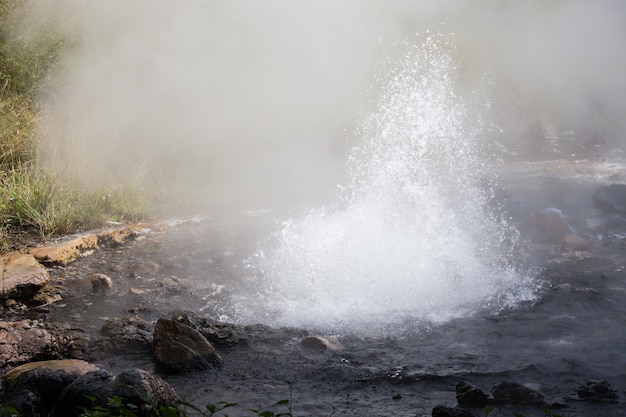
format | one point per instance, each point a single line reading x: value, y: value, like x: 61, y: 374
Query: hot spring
x: 412, y: 238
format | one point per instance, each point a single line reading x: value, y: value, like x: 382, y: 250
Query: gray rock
x: 468, y: 395
x: 124, y: 334
x: 597, y: 391
x: 513, y: 393
x: 546, y: 225
x: 216, y: 332
x: 323, y: 343
x: 611, y: 198
x: 180, y: 348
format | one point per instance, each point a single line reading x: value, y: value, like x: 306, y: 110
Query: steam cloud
x: 246, y: 103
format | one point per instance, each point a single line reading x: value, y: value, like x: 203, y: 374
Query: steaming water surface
x: 571, y: 333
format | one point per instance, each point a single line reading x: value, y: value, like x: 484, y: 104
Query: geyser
x: 411, y: 239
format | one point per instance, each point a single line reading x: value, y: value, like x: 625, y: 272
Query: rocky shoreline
x: 49, y: 366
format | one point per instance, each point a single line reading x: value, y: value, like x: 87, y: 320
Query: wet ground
x: 574, y: 333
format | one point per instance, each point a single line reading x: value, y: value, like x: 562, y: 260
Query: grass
x: 38, y: 201
x: 32, y: 199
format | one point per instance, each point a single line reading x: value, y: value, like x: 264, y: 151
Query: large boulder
x: 22, y: 276
x: 180, y: 348
x: 33, y: 388
x: 94, y: 389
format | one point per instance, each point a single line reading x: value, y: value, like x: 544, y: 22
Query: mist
x: 239, y: 105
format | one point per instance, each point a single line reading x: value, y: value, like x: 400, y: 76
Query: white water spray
x: 411, y: 239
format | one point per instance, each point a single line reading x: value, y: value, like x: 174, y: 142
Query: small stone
x: 597, y: 391
x: 101, y: 283
x: 321, y: 343
x: 548, y: 225
x: 576, y: 242
x: 136, y: 291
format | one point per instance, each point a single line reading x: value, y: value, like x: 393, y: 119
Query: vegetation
x: 117, y: 407
x: 31, y: 199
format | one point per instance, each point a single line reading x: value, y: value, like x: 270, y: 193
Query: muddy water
x: 575, y: 332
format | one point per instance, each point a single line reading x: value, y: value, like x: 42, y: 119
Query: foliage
x: 546, y: 412
x: 117, y: 407
x: 31, y: 199
x: 8, y: 412
x: 25, y: 61
x: 36, y: 200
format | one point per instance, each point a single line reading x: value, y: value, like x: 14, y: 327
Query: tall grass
x: 39, y: 201
x: 32, y: 199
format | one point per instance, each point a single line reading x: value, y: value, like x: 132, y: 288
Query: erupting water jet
x: 411, y: 238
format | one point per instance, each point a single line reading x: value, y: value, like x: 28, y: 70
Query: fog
x: 242, y: 104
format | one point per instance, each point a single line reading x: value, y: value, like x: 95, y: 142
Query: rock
x: 137, y: 267
x: 468, y: 395
x: 591, y: 292
x: 548, y: 225
x: 443, y: 411
x: 101, y: 283
x: 116, y: 237
x: 23, y: 341
x: 576, y: 242
x: 22, y: 276
x: 135, y: 386
x: 611, y: 198
x: 48, y: 295
x: 513, y: 393
x: 124, y: 334
x: 597, y: 391
x: 321, y: 343
x: 216, y: 332
x: 65, y: 252
x: 33, y: 388
x: 180, y: 348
